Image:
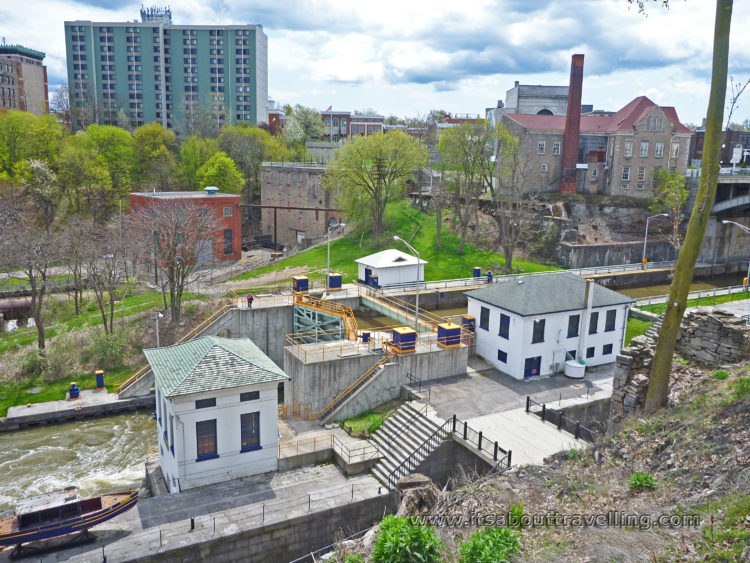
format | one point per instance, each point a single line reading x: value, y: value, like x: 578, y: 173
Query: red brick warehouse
x: 224, y: 208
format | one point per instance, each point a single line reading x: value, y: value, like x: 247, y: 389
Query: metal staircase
x: 330, y: 308
x: 400, y: 310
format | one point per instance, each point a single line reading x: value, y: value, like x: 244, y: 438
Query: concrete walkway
x: 230, y: 506
x: 530, y: 439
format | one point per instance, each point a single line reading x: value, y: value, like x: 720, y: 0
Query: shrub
x: 515, y: 515
x: 32, y: 364
x: 354, y: 559
x: 108, y: 350
x: 490, y: 545
x: 640, y: 481
x: 406, y: 540
x: 721, y: 375
x: 741, y: 388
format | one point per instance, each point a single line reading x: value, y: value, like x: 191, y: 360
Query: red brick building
x: 227, y: 241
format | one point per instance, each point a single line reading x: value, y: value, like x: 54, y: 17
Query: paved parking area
x: 484, y: 390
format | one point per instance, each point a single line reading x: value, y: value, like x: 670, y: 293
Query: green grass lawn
x: 420, y: 231
x: 16, y: 393
x: 90, y: 316
x: 370, y: 420
x: 636, y: 327
x: 659, y: 308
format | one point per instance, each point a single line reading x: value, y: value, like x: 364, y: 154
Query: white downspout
x: 589, y: 299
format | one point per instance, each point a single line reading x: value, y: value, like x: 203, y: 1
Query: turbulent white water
x: 102, y: 455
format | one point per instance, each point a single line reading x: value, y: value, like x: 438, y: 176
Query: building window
x: 250, y: 396
x: 227, y: 212
x: 573, y: 323
x: 624, y: 186
x: 556, y: 148
x: 640, y: 186
x: 641, y: 173
x: 594, y: 172
x: 675, y: 150
x: 544, y: 167
x: 626, y: 172
x: 538, y: 333
x: 250, y: 431
x: 205, y: 403
x: 541, y: 146
x: 502, y: 356
x: 504, y: 331
x: 205, y: 433
x: 571, y: 354
x: 644, y: 149
x: 609, y: 323
x: 607, y: 350
x: 228, y: 246
x: 594, y: 322
x: 484, y: 318
x: 659, y: 150
x: 335, y: 121
x: 628, y: 149
x: 590, y: 352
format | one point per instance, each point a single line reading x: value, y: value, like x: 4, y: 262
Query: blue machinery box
x: 449, y: 335
x: 404, y: 339
x: 300, y: 284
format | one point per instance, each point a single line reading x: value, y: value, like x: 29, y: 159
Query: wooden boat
x: 59, y: 513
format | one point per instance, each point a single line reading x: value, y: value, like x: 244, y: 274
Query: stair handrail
x: 405, y: 307
x: 348, y: 390
x: 346, y: 453
x: 332, y: 308
x: 200, y: 326
x: 392, y: 478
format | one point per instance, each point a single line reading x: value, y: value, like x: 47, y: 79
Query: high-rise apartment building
x: 140, y: 72
x: 23, y: 79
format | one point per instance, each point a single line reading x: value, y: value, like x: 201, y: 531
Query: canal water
x: 102, y: 455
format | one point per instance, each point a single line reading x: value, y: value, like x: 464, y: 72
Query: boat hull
x: 71, y: 525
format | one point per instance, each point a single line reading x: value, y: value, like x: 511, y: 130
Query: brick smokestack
x: 572, y: 126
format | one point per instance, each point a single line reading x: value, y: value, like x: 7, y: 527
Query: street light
x: 328, y: 268
x: 158, y: 316
x: 645, y: 238
x: 747, y: 230
x: 416, y: 253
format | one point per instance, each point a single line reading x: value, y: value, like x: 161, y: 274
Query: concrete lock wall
x: 610, y: 254
x: 283, y: 541
x: 450, y: 460
x: 387, y: 384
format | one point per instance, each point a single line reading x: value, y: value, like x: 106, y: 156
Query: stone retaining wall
x: 712, y: 337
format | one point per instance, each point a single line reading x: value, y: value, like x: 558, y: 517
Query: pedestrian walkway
x: 530, y: 439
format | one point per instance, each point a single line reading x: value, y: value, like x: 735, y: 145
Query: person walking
x: 250, y: 300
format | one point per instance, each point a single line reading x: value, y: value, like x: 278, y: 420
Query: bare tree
x: 505, y: 178
x: 176, y: 236
x: 105, y: 259
x: 60, y: 103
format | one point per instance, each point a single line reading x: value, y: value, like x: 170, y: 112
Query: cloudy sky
x: 405, y: 57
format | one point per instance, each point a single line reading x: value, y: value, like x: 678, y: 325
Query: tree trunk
x: 658, y: 386
x: 508, y: 252
x: 438, y: 224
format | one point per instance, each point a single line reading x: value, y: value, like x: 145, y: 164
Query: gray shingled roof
x: 210, y: 363
x: 546, y: 293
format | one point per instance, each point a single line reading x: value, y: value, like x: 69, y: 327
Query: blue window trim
x: 159, y: 420
x: 171, y: 449
x: 166, y: 438
x: 250, y: 449
x: 207, y: 457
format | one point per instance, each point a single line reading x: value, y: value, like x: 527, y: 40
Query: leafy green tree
x: 85, y: 180
x: 41, y: 186
x: 248, y: 147
x: 658, y: 385
x: 194, y: 153
x: 221, y: 171
x: 15, y: 145
x: 155, y: 162
x: 115, y: 150
x: 371, y: 171
x: 671, y: 195
x: 304, y: 124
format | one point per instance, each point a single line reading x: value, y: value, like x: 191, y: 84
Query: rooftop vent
x: 211, y: 190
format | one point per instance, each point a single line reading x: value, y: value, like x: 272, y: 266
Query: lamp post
x: 645, y: 238
x: 416, y: 253
x: 747, y: 230
x: 328, y: 268
x: 158, y: 316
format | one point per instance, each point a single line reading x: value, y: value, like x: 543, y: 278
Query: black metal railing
x: 456, y: 427
x: 560, y: 420
x: 420, y: 452
x: 413, y: 416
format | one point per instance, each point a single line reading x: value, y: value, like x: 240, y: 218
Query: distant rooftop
x: 181, y: 195
x: 155, y: 14
x: 21, y: 50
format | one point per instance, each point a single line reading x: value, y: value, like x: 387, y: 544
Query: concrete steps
x: 400, y: 435
x: 655, y: 329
